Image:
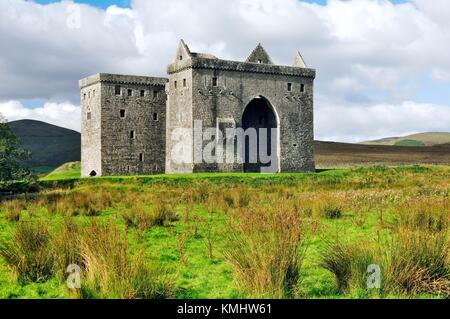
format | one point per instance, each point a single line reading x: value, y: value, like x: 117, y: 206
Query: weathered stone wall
x: 200, y: 87
x: 179, y: 114
x: 238, y: 83
x: 91, y: 129
x: 131, y: 143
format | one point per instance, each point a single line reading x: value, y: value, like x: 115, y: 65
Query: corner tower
x: 123, y: 125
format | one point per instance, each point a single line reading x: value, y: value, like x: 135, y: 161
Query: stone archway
x: 258, y: 115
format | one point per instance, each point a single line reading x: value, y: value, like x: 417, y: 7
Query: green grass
x: 370, y: 199
x: 43, y: 170
x: 411, y: 143
x: 66, y: 172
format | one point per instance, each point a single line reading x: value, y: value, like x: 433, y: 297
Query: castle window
x: 142, y: 93
x: 214, y: 81
x: 155, y: 94
x: 122, y: 114
x: 84, y: 96
x: 289, y: 87
x: 117, y: 90
x: 155, y: 117
x: 132, y: 134
x: 175, y: 84
x: 130, y: 92
x: 88, y: 116
x: 93, y: 93
x: 260, y: 61
x: 141, y: 157
x: 302, y: 88
x: 184, y: 82
x: 181, y: 57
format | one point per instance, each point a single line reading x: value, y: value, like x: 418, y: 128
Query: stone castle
x: 128, y: 121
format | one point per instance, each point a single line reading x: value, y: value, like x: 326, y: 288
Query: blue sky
x: 98, y: 3
x: 382, y: 70
x: 126, y: 3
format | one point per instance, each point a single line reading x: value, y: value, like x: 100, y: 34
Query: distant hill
x: 420, y: 139
x: 330, y: 154
x: 50, y: 145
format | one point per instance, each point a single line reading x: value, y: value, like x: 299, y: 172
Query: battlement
x: 121, y: 79
x: 257, y: 62
x: 247, y: 67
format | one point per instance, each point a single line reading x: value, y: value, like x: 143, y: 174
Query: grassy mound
x: 67, y: 171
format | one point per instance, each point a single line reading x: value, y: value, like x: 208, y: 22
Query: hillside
x: 50, y: 145
x: 53, y: 146
x: 420, y: 139
x: 330, y: 154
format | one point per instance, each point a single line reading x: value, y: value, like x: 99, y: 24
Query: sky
x: 383, y: 67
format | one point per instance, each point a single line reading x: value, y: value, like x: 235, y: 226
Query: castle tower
x: 123, y: 125
x: 231, y: 94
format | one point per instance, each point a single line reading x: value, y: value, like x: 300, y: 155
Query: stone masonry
x: 128, y: 121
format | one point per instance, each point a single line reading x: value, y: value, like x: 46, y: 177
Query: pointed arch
x: 259, y: 114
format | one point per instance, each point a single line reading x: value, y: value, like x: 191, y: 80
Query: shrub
x: 143, y: 218
x: 228, y: 200
x: 162, y: 213
x: 332, y: 211
x: 263, y: 249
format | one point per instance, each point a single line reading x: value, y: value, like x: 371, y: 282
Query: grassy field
x: 232, y: 236
x: 66, y: 171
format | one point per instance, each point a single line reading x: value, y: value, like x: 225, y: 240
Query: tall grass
x: 28, y: 253
x: 111, y: 272
x: 412, y: 263
x: 12, y: 210
x: 418, y: 262
x: 264, y: 251
x: 143, y: 217
x: 37, y: 254
x: 348, y: 263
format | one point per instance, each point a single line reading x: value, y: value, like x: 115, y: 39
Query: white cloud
x: 370, y: 52
x: 351, y: 123
x: 60, y: 114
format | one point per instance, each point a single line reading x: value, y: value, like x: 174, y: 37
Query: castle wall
x: 227, y: 101
x: 234, y: 92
